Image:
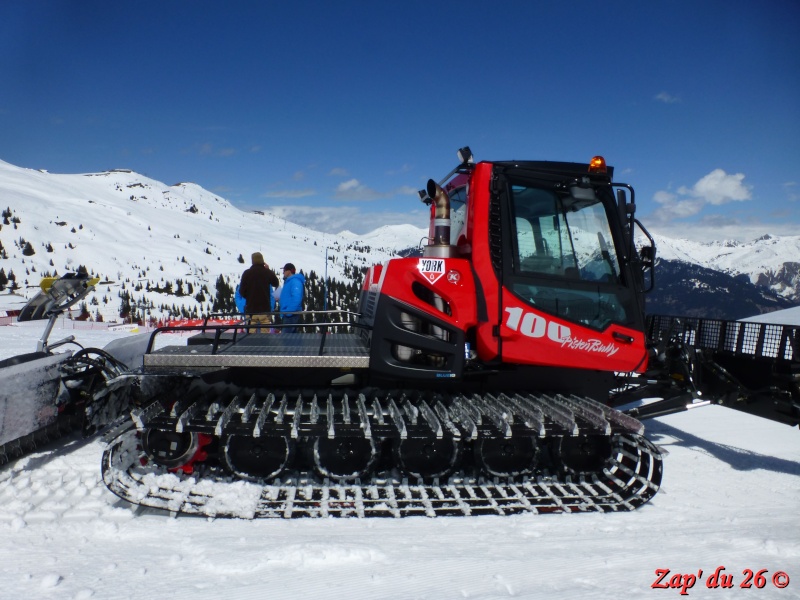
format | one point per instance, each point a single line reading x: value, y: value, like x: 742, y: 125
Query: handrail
x: 219, y: 329
x: 229, y: 315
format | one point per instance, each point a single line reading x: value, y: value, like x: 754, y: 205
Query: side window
x: 595, y: 254
x: 458, y: 212
x: 564, y: 261
x: 525, y: 245
x: 543, y: 244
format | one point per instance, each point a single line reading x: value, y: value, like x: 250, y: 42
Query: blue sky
x: 333, y: 114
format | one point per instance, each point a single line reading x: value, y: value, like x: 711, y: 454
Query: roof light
x: 598, y: 165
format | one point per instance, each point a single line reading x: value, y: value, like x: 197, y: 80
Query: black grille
x: 495, y: 232
x: 760, y: 340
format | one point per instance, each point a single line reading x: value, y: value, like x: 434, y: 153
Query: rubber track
x: 630, y: 481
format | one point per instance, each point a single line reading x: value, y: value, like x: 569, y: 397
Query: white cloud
x: 208, y: 149
x: 682, y: 209
x: 338, y: 172
x: 673, y: 207
x: 353, y: 189
x: 666, y: 98
x: 401, y: 171
x: 790, y: 187
x: 352, y: 218
x: 350, y: 184
x: 718, y: 187
x: 663, y: 197
x: 289, y: 194
x: 405, y: 190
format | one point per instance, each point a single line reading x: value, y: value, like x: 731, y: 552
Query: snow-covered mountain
x: 398, y: 237
x: 166, y: 246
x: 769, y: 261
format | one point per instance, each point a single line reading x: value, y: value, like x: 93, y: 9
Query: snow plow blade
x: 46, y: 395
x: 29, y: 412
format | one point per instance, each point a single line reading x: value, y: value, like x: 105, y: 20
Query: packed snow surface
x: 730, y: 498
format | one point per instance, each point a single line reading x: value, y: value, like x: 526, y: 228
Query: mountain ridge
x: 166, y: 248
x: 768, y: 261
x: 163, y: 246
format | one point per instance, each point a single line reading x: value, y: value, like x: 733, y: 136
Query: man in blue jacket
x: 291, y: 296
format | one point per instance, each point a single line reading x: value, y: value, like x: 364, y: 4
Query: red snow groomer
x: 479, y: 377
x: 486, y: 375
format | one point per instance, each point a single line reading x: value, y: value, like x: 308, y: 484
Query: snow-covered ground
x: 730, y: 498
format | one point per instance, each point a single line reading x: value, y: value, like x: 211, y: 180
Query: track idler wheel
x: 257, y: 458
x: 175, y: 451
x: 344, y: 457
x: 507, y: 457
x: 429, y: 457
x: 583, y: 453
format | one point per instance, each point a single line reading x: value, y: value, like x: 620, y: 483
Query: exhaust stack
x: 439, y: 230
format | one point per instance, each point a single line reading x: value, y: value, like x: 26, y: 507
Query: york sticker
x: 431, y: 268
x: 536, y: 326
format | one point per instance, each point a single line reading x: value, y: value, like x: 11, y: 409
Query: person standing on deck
x: 256, y: 288
x: 291, y: 296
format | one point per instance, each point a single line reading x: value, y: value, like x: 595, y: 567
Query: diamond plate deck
x: 342, y: 350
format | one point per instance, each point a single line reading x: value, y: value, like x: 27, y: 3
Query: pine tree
x: 223, y: 301
x: 125, y: 305
x: 84, y: 314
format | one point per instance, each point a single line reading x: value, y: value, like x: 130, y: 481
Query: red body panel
x: 512, y: 331
x: 450, y: 278
x: 534, y: 337
x: 477, y: 235
x: 531, y: 337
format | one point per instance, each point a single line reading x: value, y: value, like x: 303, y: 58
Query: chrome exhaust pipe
x: 439, y: 230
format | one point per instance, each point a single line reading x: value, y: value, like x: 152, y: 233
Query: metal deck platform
x: 334, y: 350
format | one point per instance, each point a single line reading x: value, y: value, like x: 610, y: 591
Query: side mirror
x: 647, y: 260
x: 647, y: 255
